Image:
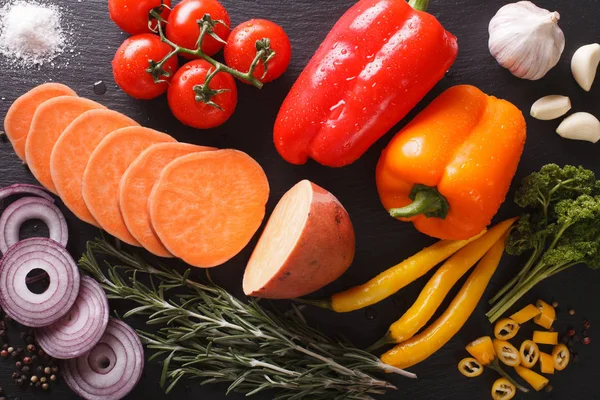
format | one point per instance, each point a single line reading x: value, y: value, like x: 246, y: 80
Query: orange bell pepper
x: 448, y: 171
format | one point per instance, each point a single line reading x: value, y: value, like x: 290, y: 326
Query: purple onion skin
x: 28, y: 208
x: 21, y: 188
x: 18, y: 302
x: 58, y: 341
x: 120, y: 353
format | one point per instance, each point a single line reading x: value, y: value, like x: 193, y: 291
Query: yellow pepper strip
x: 561, y: 357
x: 546, y: 316
x: 546, y: 363
x: 537, y: 381
x: 395, y: 278
x: 530, y: 353
x: 541, y: 337
x: 506, y: 329
x: 452, y: 320
x: 507, y: 353
x: 525, y: 314
x: 502, y: 389
x: 483, y: 351
x: 470, y: 367
x: 443, y: 280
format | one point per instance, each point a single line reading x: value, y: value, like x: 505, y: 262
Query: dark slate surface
x: 381, y: 241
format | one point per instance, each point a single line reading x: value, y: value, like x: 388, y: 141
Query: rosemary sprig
x: 206, y: 333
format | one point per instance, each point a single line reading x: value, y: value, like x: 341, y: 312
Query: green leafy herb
x: 207, y: 334
x: 562, y: 229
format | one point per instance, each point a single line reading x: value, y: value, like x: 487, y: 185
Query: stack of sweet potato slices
x: 200, y: 204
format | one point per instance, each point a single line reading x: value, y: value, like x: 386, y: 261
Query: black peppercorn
x: 38, y: 384
x: 55, y: 369
x: 7, y: 318
x: 26, y: 370
x: 5, y: 346
x: 34, y: 358
x: 2, y: 398
x: 2, y: 332
x: 23, y: 335
x: 19, y: 364
x: 41, y: 353
x: 30, y: 339
x: 39, y: 369
x: 15, y: 375
x: 586, y: 324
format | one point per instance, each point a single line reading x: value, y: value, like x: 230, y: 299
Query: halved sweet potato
x: 308, y: 243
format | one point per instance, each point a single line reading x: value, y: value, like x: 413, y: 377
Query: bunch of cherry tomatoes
x: 135, y: 55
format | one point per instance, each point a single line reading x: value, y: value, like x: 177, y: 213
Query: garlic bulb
x: 526, y: 39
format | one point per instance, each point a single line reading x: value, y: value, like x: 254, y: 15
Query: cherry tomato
x: 194, y: 113
x: 183, y: 27
x: 132, y: 15
x: 240, y: 49
x: 132, y: 60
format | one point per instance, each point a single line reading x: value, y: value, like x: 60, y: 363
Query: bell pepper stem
x: 495, y: 365
x: 419, y: 5
x: 426, y: 200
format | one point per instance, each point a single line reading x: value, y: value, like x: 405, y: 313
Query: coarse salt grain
x: 31, y: 33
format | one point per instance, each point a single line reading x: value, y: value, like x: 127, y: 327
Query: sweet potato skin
x: 323, y: 252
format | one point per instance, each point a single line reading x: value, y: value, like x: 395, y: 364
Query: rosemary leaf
x: 205, y: 333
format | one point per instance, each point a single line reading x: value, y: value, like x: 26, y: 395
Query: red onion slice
x: 20, y: 188
x: 26, y: 209
x: 112, y: 369
x: 81, y: 328
x: 38, y: 310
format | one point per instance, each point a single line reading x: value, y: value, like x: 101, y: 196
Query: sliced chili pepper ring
x: 506, y: 329
x: 502, y: 389
x: 470, y: 367
x: 530, y: 353
x: 507, y: 353
x: 561, y: 357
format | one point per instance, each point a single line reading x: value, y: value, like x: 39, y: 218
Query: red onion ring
x: 81, y: 328
x: 31, y: 208
x: 20, y: 188
x: 38, y: 310
x: 112, y: 369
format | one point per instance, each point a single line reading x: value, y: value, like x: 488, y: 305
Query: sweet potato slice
x: 49, y: 121
x: 136, y: 186
x: 19, y: 115
x: 207, y: 206
x: 308, y: 243
x: 103, y: 173
x: 72, y: 152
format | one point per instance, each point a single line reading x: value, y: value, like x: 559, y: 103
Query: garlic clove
x: 526, y: 39
x: 580, y: 126
x: 584, y: 65
x: 550, y: 107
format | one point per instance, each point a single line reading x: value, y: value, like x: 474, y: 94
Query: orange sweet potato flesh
x: 136, y: 186
x: 19, y: 115
x: 49, y: 121
x: 73, y: 150
x: 308, y: 243
x: 207, y: 206
x: 103, y: 173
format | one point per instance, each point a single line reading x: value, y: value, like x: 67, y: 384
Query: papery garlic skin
x: 550, y: 107
x: 584, y: 65
x: 526, y: 39
x: 580, y: 126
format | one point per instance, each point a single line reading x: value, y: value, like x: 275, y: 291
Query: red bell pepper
x: 376, y: 64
